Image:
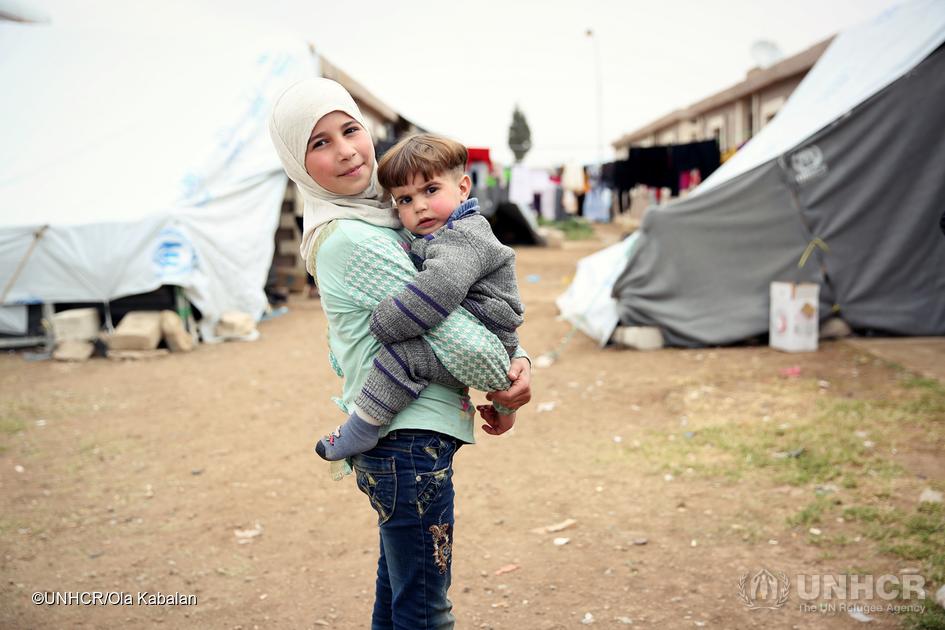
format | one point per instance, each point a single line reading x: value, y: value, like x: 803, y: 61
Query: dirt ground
x: 133, y: 477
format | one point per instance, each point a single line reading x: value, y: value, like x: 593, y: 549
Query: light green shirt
x: 357, y: 265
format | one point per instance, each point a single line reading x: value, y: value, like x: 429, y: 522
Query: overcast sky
x: 459, y: 68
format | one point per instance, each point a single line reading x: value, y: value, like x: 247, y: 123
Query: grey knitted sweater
x: 461, y: 264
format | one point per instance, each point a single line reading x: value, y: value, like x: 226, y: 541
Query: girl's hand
x: 520, y: 392
x: 496, y: 424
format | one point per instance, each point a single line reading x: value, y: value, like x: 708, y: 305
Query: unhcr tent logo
x: 808, y: 163
x: 764, y: 589
x: 174, y: 256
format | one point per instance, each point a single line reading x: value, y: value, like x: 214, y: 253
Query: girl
x: 352, y: 247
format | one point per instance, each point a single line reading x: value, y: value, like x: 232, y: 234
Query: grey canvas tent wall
x: 870, y: 184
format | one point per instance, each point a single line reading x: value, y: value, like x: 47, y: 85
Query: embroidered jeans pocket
x: 430, y: 485
x: 380, y: 488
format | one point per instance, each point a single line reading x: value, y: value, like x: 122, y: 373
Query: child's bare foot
x: 496, y: 423
x: 355, y: 436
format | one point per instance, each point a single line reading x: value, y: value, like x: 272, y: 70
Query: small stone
x: 640, y: 541
x: 588, y: 619
x: 814, y: 531
x: 930, y: 496
x: 19, y: 468
x: 560, y: 542
x: 693, y: 543
x: 859, y: 615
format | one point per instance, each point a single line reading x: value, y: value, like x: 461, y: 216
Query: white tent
x: 138, y: 158
x: 587, y: 303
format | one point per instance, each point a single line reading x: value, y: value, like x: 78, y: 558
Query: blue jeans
x: 408, y: 478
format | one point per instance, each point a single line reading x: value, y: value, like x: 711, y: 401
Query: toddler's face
x: 340, y: 155
x: 424, y: 204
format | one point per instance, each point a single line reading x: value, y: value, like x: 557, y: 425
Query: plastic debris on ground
x: 244, y: 536
x: 556, y: 527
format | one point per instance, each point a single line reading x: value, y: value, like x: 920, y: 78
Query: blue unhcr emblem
x: 174, y: 256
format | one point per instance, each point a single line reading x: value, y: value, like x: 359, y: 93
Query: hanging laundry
x: 521, y: 188
x: 572, y: 178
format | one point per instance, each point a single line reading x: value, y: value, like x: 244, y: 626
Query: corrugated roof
x: 755, y: 80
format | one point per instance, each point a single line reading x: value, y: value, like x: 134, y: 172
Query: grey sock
x: 355, y: 436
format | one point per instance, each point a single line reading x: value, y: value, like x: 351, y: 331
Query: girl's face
x: 340, y: 155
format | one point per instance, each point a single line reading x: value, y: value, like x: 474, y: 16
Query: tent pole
x: 38, y: 234
x: 108, y: 317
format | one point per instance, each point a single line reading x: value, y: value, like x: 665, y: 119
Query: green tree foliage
x: 520, y: 136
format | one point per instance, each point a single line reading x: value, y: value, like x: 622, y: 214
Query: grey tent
x: 851, y: 171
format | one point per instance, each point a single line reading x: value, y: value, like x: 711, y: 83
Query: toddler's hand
x: 496, y: 423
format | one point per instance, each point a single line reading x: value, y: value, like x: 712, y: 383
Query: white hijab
x: 294, y: 115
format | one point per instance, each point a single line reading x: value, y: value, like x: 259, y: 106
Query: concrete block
x: 292, y: 278
x: 289, y: 247
x: 79, y: 324
x: 73, y: 350
x: 554, y: 238
x: 140, y: 330
x: 234, y: 324
x: 175, y: 335
x: 136, y: 355
x: 639, y: 337
x: 287, y: 220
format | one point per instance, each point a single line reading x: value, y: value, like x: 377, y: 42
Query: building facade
x: 733, y: 115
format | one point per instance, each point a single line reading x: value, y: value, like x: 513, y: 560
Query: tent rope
x: 556, y: 352
x: 38, y: 234
x: 816, y: 242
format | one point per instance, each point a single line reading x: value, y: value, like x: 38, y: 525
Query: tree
x: 520, y: 136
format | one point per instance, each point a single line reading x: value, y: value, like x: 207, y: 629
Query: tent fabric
x: 858, y: 64
x: 513, y: 225
x: 868, y: 185
x: 150, y: 164
x: 587, y: 302
x: 13, y: 320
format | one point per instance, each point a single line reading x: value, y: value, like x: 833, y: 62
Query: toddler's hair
x: 423, y: 154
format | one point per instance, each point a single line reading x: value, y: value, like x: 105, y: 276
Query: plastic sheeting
x: 868, y: 185
x: 146, y: 154
x: 587, y: 302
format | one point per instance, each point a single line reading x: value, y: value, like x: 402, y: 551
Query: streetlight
x: 600, y: 102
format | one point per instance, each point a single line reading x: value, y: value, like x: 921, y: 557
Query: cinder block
x: 175, y: 335
x: 287, y: 220
x: 293, y: 278
x: 73, y: 350
x: 235, y: 324
x: 79, y: 324
x: 639, y: 337
x: 140, y: 330
x: 289, y: 247
x: 554, y: 238
x: 136, y: 355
